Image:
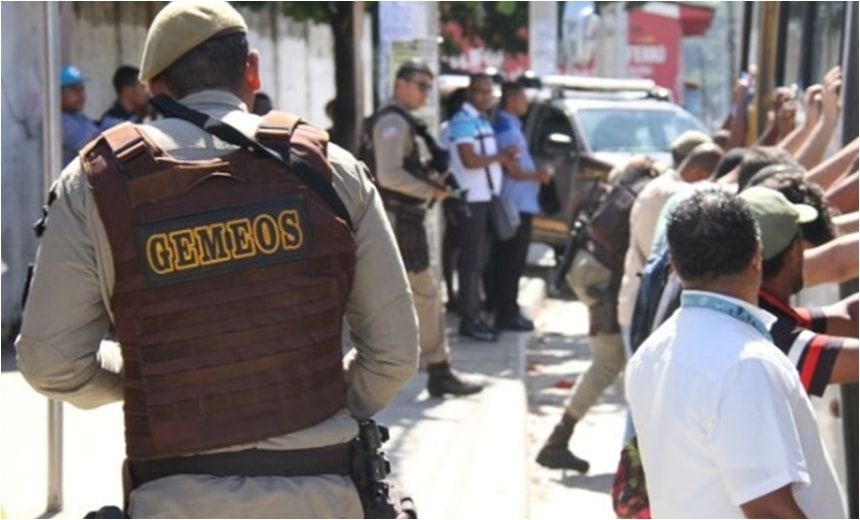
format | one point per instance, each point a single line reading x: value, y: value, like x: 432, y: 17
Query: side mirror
x: 556, y: 144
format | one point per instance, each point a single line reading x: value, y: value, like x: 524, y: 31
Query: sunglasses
x: 422, y: 86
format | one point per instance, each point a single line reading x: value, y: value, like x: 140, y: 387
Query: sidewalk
x: 465, y: 457
x: 458, y: 458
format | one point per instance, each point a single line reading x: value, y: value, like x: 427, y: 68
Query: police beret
x: 684, y: 143
x: 183, y: 25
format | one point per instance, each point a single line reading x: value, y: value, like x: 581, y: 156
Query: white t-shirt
x: 469, y: 126
x: 722, y: 418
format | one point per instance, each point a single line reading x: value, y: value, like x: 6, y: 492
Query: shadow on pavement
x: 599, y: 483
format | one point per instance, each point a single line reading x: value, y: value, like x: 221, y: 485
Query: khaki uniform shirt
x: 643, y: 221
x: 68, y: 313
x: 393, y: 142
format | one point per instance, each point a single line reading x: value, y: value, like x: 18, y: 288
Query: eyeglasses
x: 422, y: 85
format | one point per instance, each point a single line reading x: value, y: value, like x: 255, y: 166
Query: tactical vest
x: 409, y: 212
x: 231, y: 282
x: 609, y: 227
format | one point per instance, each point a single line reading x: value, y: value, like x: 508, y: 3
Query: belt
x: 328, y: 460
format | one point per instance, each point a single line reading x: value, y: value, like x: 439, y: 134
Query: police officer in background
x: 227, y: 276
x: 407, y: 183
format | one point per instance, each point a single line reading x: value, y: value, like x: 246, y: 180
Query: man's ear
x: 757, y: 260
x: 156, y: 86
x: 252, y: 71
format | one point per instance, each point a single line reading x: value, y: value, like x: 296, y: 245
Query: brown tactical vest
x: 231, y: 282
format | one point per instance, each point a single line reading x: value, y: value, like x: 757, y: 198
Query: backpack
x: 659, y: 296
x: 366, y: 154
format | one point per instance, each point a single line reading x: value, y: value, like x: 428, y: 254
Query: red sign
x: 655, y: 49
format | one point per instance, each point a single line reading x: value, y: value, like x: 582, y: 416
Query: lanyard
x: 705, y: 301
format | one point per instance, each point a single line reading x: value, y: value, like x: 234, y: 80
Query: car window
x: 633, y: 131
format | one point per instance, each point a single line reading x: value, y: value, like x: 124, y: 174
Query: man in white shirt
x: 725, y: 427
x: 477, y: 166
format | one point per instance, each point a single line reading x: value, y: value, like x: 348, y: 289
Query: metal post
x: 849, y: 133
x: 768, y: 36
x: 52, y: 158
x: 358, y: 78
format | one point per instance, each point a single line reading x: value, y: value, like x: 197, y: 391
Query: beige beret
x: 180, y: 27
x: 684, y: 143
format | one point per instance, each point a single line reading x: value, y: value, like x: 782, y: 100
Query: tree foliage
x: 498, y: 25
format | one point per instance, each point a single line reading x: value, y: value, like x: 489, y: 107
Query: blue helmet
x: 71, y: 75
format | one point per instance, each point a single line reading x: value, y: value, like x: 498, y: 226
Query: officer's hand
x: 543, y: 175
x: 440, y: 195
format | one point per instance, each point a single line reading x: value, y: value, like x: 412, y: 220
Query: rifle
x: 577, y: 236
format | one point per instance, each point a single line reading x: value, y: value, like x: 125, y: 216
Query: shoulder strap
x: 282, y: 151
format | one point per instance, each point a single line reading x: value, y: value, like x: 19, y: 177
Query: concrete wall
x: 298, y: 73
x: 21, y: 154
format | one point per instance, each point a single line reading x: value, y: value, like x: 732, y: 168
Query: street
x: 459, y: 458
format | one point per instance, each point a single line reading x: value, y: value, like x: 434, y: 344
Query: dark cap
x: 412, y: 66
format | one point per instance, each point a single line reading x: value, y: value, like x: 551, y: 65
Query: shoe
x: 478, y: 330
x: 518, y: 324
x: 555, y: 456
x: 441, y: 380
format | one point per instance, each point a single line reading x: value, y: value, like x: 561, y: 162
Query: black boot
x: 554, y: 453
x: 441, y: 380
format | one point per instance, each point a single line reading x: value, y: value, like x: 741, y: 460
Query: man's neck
x: 778, y: 288
x: 733, y: 286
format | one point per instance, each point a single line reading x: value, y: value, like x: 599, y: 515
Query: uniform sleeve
x: 392, y: 142
x: 66, y: 315
x: 380, y: 311
x: 755, y: 442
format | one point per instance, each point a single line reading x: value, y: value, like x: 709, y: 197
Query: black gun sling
x: 227, y: 133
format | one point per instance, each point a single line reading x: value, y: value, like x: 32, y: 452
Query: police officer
x: 407, y: 184
x: 227, y: 276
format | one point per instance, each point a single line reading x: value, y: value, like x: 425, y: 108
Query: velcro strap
x: 134, y: 153
x: 277, y: 126
x: 327, y: 460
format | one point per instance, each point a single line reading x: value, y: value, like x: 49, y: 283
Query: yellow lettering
x: 266, y: 233
x: 187, y: 255
x: 291, y: 230
x: 243, y: 239
x: 212, y: 243
x: 159, y: 255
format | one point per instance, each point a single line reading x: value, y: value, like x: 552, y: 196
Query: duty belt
x: 328, y: 460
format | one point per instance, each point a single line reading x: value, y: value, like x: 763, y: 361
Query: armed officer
x: 227, y: 275
x: 407, y: 183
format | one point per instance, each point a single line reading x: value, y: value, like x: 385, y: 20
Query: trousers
x: 431, y: 321
x: 595, y: 285
x: 432, y: 340
x: 474, y: 234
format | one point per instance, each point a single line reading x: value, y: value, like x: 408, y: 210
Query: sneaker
x: 554, y: 456
x: 478, y: 330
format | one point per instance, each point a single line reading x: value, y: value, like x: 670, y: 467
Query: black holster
x: 410, y: 233
x: 379, y: 499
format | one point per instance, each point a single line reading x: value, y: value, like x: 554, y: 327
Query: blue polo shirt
x: 524, y: 194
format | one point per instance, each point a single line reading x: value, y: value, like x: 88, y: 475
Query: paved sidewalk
x: 459, y: 458
x: 555, y: 362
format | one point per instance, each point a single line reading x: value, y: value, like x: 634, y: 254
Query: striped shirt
x: 797, y: 332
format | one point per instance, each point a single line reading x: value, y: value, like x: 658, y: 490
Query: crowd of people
x: 230, y: 270
x: 730, y: 229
